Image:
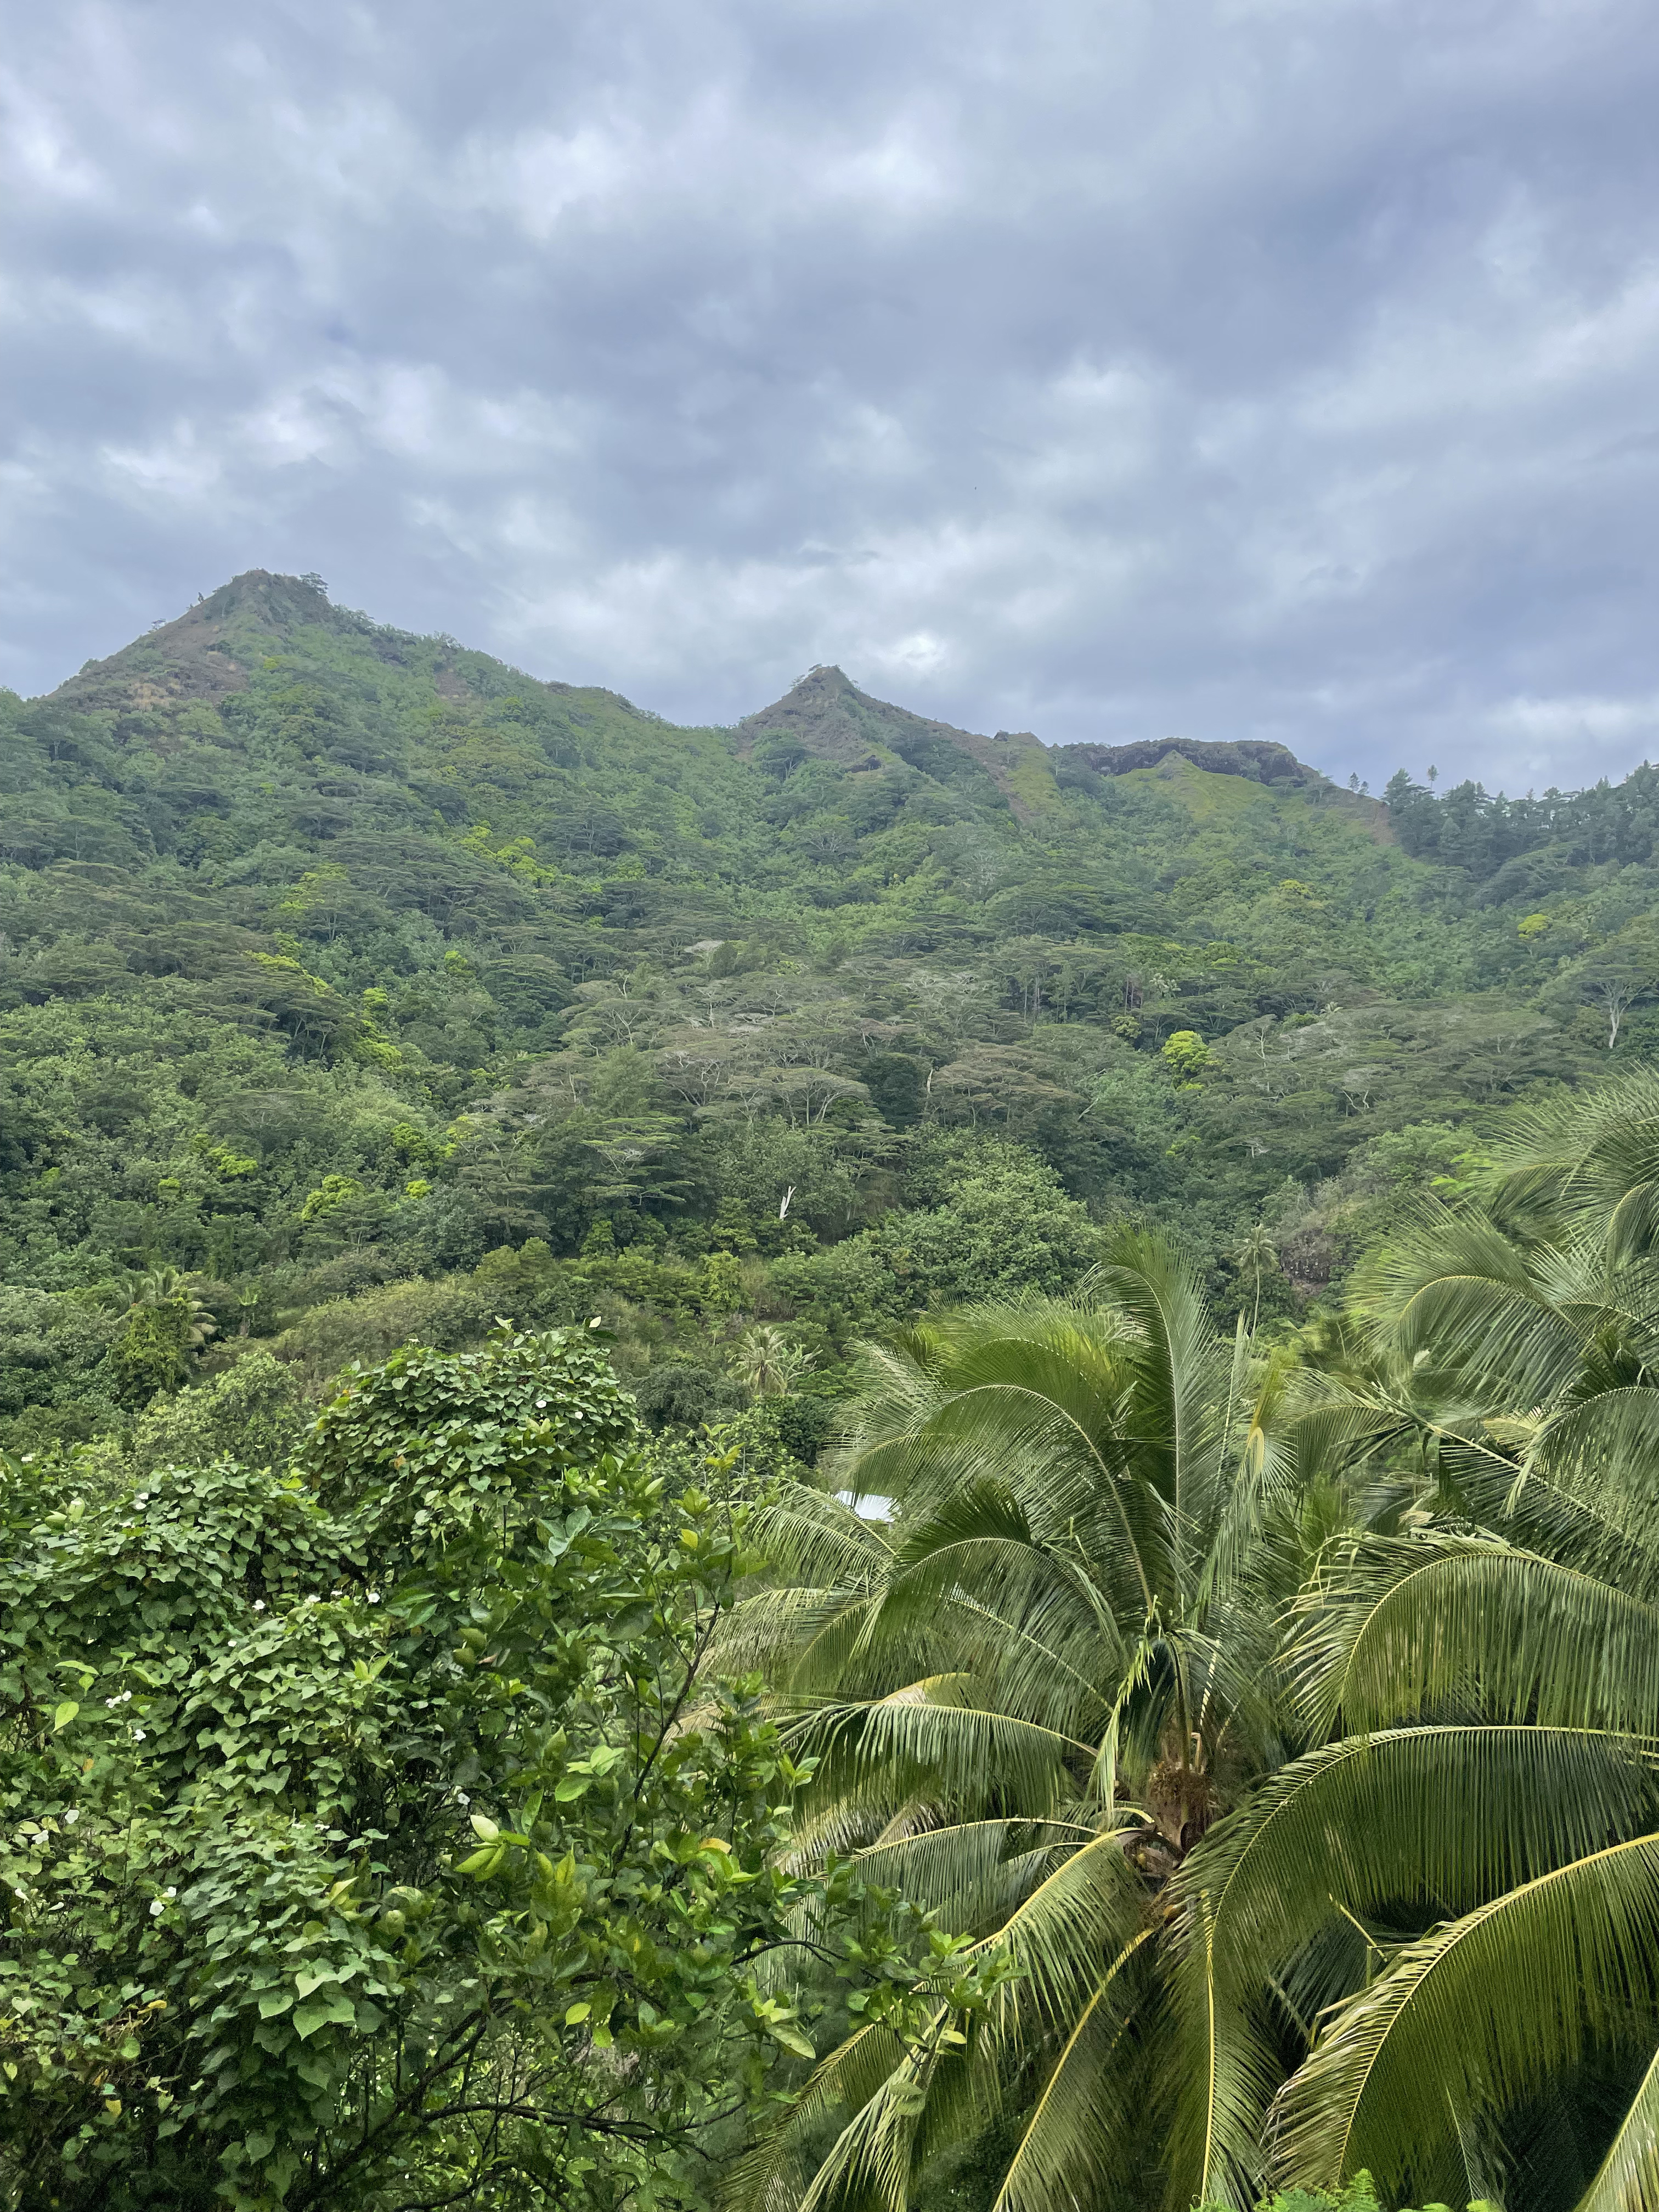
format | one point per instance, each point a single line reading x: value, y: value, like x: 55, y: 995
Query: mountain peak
x: 203, y: 653
x: 264, y: 596
x: 828, y: 715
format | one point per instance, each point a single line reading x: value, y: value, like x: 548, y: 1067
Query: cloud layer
x: 1280, y: 368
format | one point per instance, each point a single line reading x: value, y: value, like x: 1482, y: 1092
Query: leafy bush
x: 372, y: 1833
x: 449, y: 1313
x: 255, y: 1412
x: 1358, y: 2195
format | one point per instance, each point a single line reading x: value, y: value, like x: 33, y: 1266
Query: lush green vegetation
x: 377, y: 1832
x: 377, y: 989
x: 1289, y: 1714
x: 1224, y: 1761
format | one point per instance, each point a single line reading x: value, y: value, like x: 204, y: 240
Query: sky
x: 1107, y: 368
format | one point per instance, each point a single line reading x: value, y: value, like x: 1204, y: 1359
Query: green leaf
x: 791, y: 2039
x: 336, y: 2011
x: 1629, y: 2175
x: 64, y: 1714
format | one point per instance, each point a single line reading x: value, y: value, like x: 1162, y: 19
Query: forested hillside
x: 1190, y: 1736
x: 355, y: 987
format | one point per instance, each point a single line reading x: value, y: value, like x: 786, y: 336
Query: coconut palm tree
x: 1031, y: 1693
x: 167, y: 1285
x: 769, y: 1361
x: 1257, y: 1256
x: 1429, y: 1946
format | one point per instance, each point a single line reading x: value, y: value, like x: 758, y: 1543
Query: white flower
x: 461, y: 1799
x: 72, y: 1816
x: 170, y: 1892
x: 156, y: 1908
x: 259, y: 1605
x: 374, y: 1597
x: 137, y: 1735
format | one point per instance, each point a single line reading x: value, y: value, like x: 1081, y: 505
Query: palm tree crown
x: 1031, y: 1694
x: 1430, y: 1946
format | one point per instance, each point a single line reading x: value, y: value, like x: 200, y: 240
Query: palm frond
x: 1260, y: 1473
x: 972, y: 1874
x: 1601, y: 1448
x: 1627, y: 2179
x: 1019, y: 1616
x: 929, y: 1735
x: 1176, y: 1399
x: 1472, y: 2017
x: 1082, y: 2130
x: 1462, y: 1291
x: 1088, y: 1908
x: 1435, y: 1819
x: 1419, y: 1622
x: 1229, y: 2073
x: 817, y: 1539
x: 1577, y: 1158
x: 796, y: 1637
x: 774, y: 2174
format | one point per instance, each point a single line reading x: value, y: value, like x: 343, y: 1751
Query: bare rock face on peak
x: 202, y: 653
x: 1251, y: 757
x: 827, y: 716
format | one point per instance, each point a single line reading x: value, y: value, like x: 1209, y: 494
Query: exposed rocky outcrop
x: 1248, y: 757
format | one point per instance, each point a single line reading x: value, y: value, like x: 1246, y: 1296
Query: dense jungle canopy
x: 825, y: 1465
x: 379, y: 990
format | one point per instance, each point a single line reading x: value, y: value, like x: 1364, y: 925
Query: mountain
x: 828, y: 718
x: 377, y: 986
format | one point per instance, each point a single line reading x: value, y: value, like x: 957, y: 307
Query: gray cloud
x: 1277, y: 368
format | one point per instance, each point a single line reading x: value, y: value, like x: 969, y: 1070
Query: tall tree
x: 1031, y: 1691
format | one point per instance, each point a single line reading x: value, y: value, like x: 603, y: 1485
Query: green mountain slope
x: 378, y: 986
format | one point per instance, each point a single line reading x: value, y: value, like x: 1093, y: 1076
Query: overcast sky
x: 1111, y: 368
